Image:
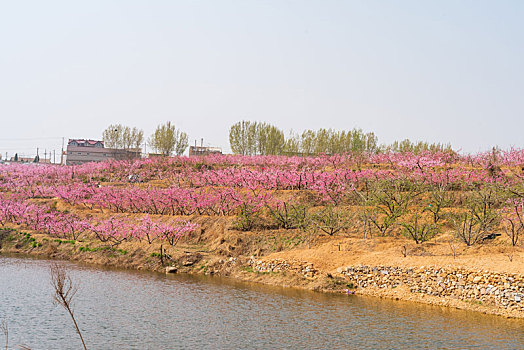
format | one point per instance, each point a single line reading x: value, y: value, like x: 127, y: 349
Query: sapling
x: 331, y: 220
x: 404, y: 250
x: 289, y: 214
x: 514, y: 220
x: 65, y: 290
x: 388, y: 201
x: 440, y: 198
x: 453, y: 248
x: 470, y: 228
x: 418, y: 229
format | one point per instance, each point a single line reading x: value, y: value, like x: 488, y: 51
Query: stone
x: 171, y: 269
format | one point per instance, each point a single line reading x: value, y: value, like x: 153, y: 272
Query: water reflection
x: 134, y: 310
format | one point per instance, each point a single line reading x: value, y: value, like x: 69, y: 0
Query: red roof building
x: 80, y: 151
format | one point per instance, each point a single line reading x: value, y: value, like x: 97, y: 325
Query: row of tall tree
x: 259, y: 138
x: 251, y: 138
x: 329, y: 141
x: 416, y: 147
x: 123, y: 137
x: 166, y: 139
x: 256, y: 138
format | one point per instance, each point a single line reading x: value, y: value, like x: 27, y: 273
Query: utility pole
x: 62, y: 154
x: 54, y: 157
x: 45, y: 154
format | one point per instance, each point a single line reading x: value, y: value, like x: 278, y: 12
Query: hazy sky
x: 448, y: 71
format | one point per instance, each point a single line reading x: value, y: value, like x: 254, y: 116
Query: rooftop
x: 85, y: 142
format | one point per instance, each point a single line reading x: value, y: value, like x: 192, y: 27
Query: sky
x: 438, y: 71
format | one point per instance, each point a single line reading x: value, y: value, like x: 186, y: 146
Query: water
x: 133, y: 310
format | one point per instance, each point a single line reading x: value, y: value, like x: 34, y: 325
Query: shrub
x: 246, y: 218
x: 387, y: 200
x: 331, y: 220
x: 470, y: 228
x: 288, y: 215
x: 440, y: 198
x: 419, y: 230
x: 514, y: 220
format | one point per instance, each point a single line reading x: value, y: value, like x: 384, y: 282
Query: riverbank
x: 484, y: 280
x: 120, y: 309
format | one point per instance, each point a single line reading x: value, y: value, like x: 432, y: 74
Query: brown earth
x: 217, y: 248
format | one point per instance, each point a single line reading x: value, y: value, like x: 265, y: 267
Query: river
x: 137, y: 310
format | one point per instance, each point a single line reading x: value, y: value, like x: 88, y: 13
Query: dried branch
x: 65, y: 291
x: 4, y: 327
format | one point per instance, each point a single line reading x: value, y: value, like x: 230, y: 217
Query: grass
x: 248, y: 269
x: 62, y: 241
x: 97, y: 249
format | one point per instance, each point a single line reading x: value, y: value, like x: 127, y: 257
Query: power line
x: 17, y: 149
x: 30, y: 139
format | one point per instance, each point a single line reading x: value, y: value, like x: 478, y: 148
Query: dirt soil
x: 218, y: 249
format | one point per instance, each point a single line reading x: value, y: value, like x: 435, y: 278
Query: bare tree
x: 418, y: 229
x: 471, y: 228
x: 514, y: 220
x: 65, y: 291
x: 513, y: 229
x: 387, y: 200
x: 441, y: 197
x: 331, y: 220
x: 480, y: 218
x: 404, y: 250
x: 453, y: 247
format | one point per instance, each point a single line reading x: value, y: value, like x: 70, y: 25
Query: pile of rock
x: 500, y: 289
x: 279, y: 265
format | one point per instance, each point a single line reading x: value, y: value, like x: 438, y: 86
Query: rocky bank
x: 496, y: 293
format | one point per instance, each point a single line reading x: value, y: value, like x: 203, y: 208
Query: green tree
x: 371, y: 141
x: 242, y: 137
x: 122, y: 137
x: 251, y: 138
x: 292, y: 144
x: 416, y: 147
x: 112, y: 136
x: 132, y: 137
x: 168, y: 140
x: 307, y: 142
x: 269, y: 139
